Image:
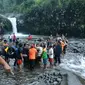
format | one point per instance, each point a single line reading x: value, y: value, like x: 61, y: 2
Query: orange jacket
x: 62, y: 44
x: 32, y: 53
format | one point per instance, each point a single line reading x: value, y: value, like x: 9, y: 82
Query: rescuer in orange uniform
x: 32, y: 56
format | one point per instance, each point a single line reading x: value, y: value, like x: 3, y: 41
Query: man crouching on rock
x: 6, y: 66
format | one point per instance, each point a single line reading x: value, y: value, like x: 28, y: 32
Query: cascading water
x: 14, y: 25
x: 20, y: 35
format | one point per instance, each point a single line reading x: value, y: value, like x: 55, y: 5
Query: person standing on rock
x: 29, y: 37
x: 19, y: 57
x: 39, y: 53
x: 64, y: 46
x: 14, y: 37
x: 57, y: 52
x: 10, y: 38
x: 5, y: 50
x: 25, y: 55
x: 51, y: 55
x: 32, y: 56
x: 44, y: 56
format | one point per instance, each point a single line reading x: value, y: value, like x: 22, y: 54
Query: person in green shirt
x: 44, y: 57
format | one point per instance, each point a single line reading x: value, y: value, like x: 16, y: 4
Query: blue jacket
x: 57, y: 50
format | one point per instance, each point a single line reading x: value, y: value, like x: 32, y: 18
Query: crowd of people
x: 34, y: 54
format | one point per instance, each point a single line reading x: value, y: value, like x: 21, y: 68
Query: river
x: 74, y: 60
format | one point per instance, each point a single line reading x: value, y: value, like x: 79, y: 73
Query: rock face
x: 5, y: 24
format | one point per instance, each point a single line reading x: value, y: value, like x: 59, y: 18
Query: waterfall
x: 14, y: 27
x: 14, y: 24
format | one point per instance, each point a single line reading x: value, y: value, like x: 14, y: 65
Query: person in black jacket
x: 25, y: 55
x: 57, y: 52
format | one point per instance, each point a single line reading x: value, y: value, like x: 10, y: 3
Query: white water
x: 20, y: 35
x: 14, y: 25
x: 75, y: 63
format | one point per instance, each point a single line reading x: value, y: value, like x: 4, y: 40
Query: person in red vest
x: 14, y: 37
x: 29, y: 37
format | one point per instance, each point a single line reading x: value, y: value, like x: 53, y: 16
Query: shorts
x: 45, y: 61
x: 32, y: 62
x: 51, y: 60
x: 19, y: 62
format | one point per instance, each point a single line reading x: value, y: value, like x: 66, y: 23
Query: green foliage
x: 5, y: 24
x: 49, y: 16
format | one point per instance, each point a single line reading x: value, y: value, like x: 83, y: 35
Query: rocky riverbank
x: 55, y: 76
x: 73, y: 60
x: 58, y: 76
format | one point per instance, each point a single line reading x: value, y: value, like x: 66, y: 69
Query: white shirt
x: 40, y: 50
x: 51, y: 53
